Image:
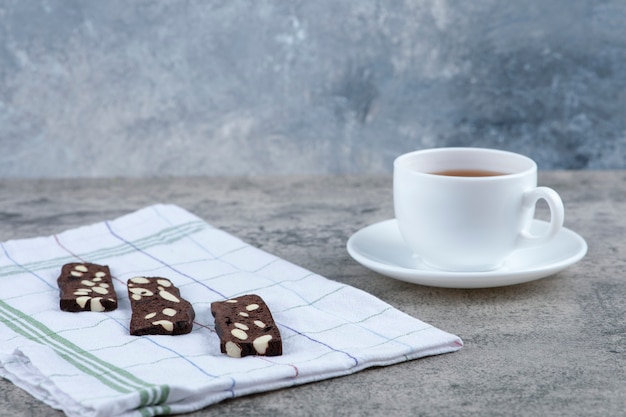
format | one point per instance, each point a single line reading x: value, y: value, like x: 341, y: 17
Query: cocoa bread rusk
x: 158, y: 308
x: 85, y: 286
x: 246, y: 327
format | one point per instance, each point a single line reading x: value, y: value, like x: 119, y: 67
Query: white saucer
x: 380, y: 247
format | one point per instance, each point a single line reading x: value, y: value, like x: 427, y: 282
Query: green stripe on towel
x: 108, y: 374
x: 164, y: 236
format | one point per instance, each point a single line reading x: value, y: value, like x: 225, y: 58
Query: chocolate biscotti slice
x: 158, y: 308
x: 85, y: 286
x: 245, y: 327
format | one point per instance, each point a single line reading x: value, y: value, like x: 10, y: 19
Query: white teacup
x: 455, y: 219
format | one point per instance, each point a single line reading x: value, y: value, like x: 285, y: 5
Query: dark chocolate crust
x: 85, y: 286
x: 158, y: 308
x: 246, y: 327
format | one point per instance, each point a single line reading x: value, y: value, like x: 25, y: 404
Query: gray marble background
x: 154, y: 88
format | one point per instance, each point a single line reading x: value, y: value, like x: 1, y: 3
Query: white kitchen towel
x: 87, y: 364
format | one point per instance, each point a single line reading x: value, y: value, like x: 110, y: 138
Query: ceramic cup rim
x: 518, y: 165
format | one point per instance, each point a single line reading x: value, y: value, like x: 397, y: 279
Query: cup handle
x: 557, y: 216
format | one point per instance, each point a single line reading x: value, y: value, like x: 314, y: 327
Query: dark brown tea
x: 468, y: 173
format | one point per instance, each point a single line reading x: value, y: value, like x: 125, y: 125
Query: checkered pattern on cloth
x: 87, y: 364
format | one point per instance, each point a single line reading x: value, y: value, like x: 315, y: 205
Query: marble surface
x: 552, y: 347
x: 159, y: 87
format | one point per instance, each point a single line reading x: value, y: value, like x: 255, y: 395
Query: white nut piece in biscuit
x: 169, y: 312
x: 168, y: 296
x: 166, y: 324
x: 239, y: 334
x: 81, y: 268
x: 261, y: 343
x: 241, y: 326
x: 139, y: 292
x: 140, y: 280
x: 233, y: 350
x: 100, y: 290
x: 96, y: 305
x: 252, y: 307
x: 82, y: 301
